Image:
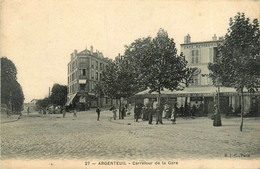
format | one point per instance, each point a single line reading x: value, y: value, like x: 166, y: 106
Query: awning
x: 70, y: 99
x: 203, y: 91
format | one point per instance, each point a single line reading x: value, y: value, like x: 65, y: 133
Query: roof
x: 191, y: 92
x: 212, y: 41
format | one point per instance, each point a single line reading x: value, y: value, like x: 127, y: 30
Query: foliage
x: 43, y: 103
x: 188, y: 75
x: 10, y: 88
x: 238, y: 62
x: 156, y: 62
x: 58, y: 94
x: 17, y: 98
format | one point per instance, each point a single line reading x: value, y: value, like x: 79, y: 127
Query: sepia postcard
x: 130, y: 84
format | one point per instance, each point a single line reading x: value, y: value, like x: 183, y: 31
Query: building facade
x: 84, y: 72
x: 201, y: 92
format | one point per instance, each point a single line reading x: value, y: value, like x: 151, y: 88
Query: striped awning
x: 69, y: 101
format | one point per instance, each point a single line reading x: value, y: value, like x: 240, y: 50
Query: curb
x: 9, y: 121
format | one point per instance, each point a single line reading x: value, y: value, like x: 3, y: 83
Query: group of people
x: 125, y: 110
x: 147, y: 111
x: 192, y: 111
x: 62, y: 111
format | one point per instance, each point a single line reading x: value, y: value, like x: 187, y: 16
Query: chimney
x: 75, y: 52
x: 91, y: 50
x: 214, y: 37
x: 187, y: 39
x: 221, y: 38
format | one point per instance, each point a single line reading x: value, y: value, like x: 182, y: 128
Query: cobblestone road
x: 53, y: 137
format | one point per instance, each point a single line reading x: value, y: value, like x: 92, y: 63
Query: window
x: 210, y: 55
x: 100, y: 66
x: 196, y: 80
x: 92, y: 74
x: 82, y: 86
x: 83, y: 72
x: 83, y: 60
x: 215, y: 54
x: 96, y: 76
x: 194, y: 56
x: 97, y: 65
x: 92, y: 64
x: 100, y: 78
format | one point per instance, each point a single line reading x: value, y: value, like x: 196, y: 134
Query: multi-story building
x: 84, y: 72
x: 202, y: 91
x: 200, y: 54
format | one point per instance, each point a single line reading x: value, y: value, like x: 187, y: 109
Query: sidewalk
x: 10, y: 118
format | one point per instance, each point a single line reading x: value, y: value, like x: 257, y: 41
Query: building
x: 202, y: 91
x: 84, y: 72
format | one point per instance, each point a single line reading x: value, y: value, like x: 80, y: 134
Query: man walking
x: 98, y: 113
x: 158, y: 112
x: 137, y: 112
x: 150, y: 114
x: 28, y: 110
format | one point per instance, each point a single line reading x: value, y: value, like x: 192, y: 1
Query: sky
x: 39, y: 36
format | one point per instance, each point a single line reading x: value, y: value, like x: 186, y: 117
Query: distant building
x: 34, y: 101
x: 84, y: 72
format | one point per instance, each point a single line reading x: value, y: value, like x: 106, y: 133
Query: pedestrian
x: 137, y: 112
x: 123, y: 112
x: 28, y: 110
x: 129, y: 109
x: 164, y: 111
x: 182, y: 110
x: 167, y: 112
x: 75, y: 113
x: 114, y: 113
x: 98, y: 113
x: 150, y: 114
x: 63, y: 112
x: 158, y: 112
x: 193, y: 111
x: 173, y: 116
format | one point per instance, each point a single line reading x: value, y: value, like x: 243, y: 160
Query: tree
x: 11, y: 90
x: 157, y: 62
x: 17, y: 98
x: 118, y: 81
x: 238, y: 62
x: 43, y: 103
x: 58, y: 94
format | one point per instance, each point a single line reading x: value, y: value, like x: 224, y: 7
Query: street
x: 37, y: 136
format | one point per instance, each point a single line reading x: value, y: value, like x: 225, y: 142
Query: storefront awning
x: 204, y: 91
x: 70, y: 99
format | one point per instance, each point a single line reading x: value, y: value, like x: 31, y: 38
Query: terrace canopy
x: 205, y: 91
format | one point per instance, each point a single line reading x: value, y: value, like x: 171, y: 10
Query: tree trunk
x: 159, y: 98
x: 185, y: 106
x: 242, y: 109
x: 119, y: 109
x: 217, y: 116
